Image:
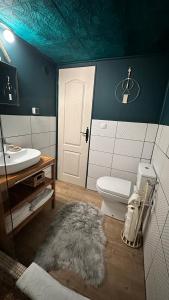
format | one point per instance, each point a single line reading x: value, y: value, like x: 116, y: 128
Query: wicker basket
x: 35, y: 180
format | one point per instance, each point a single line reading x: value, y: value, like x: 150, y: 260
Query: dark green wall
x: 150, y: 71
x: 37, y: 80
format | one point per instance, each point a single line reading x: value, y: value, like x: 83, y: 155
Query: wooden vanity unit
x: 19, y: 193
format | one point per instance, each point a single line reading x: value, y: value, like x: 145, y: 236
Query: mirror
x: 8, y: 85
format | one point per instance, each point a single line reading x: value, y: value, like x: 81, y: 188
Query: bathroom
x: 84, y: 155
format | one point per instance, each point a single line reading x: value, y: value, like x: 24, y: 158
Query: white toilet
x: 116, y: 191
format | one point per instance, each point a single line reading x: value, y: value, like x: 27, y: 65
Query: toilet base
x: 115, y: 210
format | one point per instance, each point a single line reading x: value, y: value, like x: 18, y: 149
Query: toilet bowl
x: 115, y: 193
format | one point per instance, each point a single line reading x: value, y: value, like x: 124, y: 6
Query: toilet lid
x: 115, y: 186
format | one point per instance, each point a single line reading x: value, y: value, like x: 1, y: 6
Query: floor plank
x: 124, y: 278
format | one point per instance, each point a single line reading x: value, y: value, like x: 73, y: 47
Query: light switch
x: 35, y: 110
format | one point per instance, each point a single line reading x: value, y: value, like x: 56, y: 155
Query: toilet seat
x: 114, y: 186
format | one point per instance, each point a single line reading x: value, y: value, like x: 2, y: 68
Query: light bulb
x: 9, y: 36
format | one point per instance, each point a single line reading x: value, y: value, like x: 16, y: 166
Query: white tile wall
x: 128, y: 147
x: 116, y: 148
x: 40, y: 124
x: 15, y: 125
x: 100, y: 143
x: 104, y: 128
x: 21, y: 140
x: 125, y: 163
x: 163, y: 141
x: 31, y: 131
x: 91, y: 183
x: 124, y: 175
x: 95, y: 171
x: 131, y: 131
x: 100, y: 158
x: 157, y: 272
x: 147, y: 150
x: 151, y: 133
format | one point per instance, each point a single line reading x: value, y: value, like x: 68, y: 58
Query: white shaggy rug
x: 75, y: 241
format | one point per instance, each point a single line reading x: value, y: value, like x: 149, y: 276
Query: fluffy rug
x: 75, y: 241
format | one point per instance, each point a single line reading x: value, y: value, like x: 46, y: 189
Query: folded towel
x: 24, y: 211
x: 15, y: 222
x: 37, y: 284
x: 18, y: 212
x: 41, y: 199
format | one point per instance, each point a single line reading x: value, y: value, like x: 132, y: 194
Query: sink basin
x: 17, y: 161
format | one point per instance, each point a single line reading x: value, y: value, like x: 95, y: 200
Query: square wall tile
x: 15, y: 125
x: 40, y: 140
x: 98, y: 171
x: 124, y: 175
x: 100, y: 158
x: 128, y: 147
x: 164, y: 178
x: 161, y: 207
x: 165, y: 241
x: 91, y: 184
x: 24, y: 141
x: 131, y: 131
x: 151, y: 239
x: 147, y: 248
x: 40, y: 124
x: 151, y: 287
x: 159, y: 131
x: 103, y: 128
x: 125, y: 163
x: 52, y: 123
x: 52, y: 138
x: 164, y: 139
x: 101, y: 143
x: 53, y: 151
x: 158, y: 160
x: 161, y: 277
x: 147, y: 150
x: 46, y: 151
x: 151, y: 132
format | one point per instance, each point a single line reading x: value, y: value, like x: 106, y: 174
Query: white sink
x: 17, y: 161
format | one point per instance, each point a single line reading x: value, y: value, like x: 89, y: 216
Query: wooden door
x: 76, y: 87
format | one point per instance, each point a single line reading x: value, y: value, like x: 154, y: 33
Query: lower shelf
x: 20, y: 194
x: 22, y: 215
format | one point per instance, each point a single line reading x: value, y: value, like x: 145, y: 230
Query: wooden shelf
x: 45, y: 161
x: 28, y: 219
x: 20, y: 193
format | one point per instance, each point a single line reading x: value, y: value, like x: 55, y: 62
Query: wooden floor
x: 124, y: 277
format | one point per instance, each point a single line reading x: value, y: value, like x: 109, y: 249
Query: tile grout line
x: 144, y: 142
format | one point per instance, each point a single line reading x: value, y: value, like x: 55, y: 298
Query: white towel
x: 41, y: 199
x: 37, y: 284
x: 15, y: 222
x: 18, y: 212
x: 27, y: 209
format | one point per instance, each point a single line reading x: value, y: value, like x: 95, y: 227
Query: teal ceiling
x: 82, y: 30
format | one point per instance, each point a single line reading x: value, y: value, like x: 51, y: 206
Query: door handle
x: 86, y: 134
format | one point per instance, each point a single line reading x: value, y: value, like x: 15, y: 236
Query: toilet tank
x: 145, y: 173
